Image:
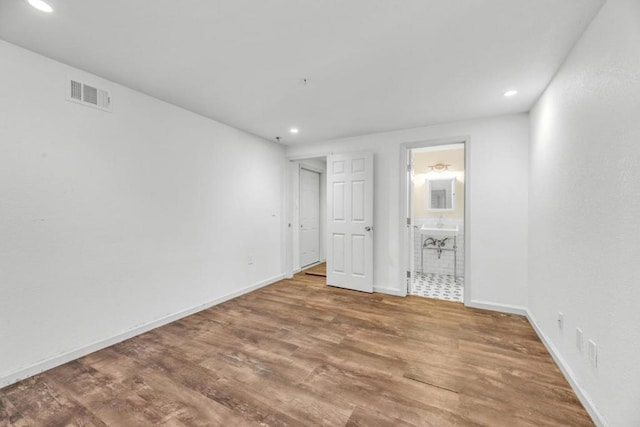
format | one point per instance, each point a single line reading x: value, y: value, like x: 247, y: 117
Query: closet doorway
x: 307, y: 208
x: 309, y: 217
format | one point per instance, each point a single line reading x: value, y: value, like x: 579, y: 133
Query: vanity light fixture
x: 510, y: 93
x: 41, y: 5
x: 293, y: 130
x: 440, y: 167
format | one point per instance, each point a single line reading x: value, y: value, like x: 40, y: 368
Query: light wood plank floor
x: 318, y: 270
x: 301, y: 353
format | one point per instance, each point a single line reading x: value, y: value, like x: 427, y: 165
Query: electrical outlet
x: 592, y: 353
x: 579, y: 340
x: 249, y: 260
x: 560, y: 320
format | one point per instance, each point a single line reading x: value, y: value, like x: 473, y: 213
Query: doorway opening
x: 346, y: 218
x: 435, y: 240
x: 309, y: 209
x: 308, y: 214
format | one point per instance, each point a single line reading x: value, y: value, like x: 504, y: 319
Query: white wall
x: 585, y: 211
x: 498, y: 195
x: 111, y: 221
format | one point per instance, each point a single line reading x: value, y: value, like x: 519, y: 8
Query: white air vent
x: 85, y: 94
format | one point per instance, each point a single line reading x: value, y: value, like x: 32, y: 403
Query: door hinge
x: 408, y: 168
x: 408, y: 274
x: 408, y: 221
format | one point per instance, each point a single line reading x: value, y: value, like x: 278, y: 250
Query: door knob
x: 368, y: 228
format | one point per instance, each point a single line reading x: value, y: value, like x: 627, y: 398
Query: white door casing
x: 410, y: 220
x: 350, y: 221
x: 309, y: 217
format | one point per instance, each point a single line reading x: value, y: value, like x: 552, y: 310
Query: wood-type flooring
x: 300, y: 353
x: 317, y: 270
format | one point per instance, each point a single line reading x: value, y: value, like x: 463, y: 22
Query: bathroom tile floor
x: 440, y: 286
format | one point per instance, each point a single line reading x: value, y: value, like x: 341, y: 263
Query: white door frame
x: 405, y: 251
x: 290, y: 214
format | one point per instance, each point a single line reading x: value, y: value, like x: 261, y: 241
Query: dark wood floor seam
x: 430, y: 384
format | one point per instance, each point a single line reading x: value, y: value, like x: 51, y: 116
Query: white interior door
x: 350, y: 221
x: 309, y: 217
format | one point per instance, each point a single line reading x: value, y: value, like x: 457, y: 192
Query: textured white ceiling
x: 372, y: 65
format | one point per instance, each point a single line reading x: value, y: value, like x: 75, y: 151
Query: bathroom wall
x: 427, y: 261
x: 111, y: 223
x: 584, y: 199
x: 421, y: 162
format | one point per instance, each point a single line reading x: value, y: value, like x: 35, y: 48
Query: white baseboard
x: 502, y: 308
x: 61, y: 359
x: 306, y: 267
x: 388, y: 291
x: 568, y: 373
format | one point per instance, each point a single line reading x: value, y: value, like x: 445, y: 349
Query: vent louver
x: 85, y: 94
x: 90, y: 94
x: 76, y: 90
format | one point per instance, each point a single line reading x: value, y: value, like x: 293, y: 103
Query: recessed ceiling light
x: 293, y: 130
x: 41, y: 5
x: 511, y: 93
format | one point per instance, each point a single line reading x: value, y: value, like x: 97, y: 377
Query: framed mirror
x: 441, y: 193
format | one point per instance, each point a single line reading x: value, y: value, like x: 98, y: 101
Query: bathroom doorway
x: 435, y: 236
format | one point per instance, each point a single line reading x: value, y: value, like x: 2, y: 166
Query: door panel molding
x: 350, y: 222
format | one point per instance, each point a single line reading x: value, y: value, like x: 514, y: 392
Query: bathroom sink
x: 436, y: 231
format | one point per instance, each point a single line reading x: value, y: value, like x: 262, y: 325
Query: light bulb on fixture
x: 41, y: 5
x: 510, y: 93
x: 293, y: 130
